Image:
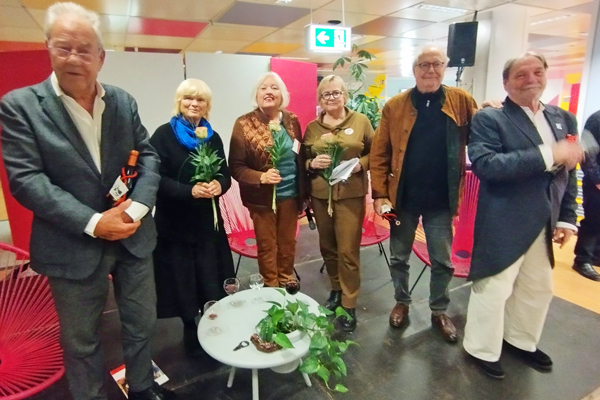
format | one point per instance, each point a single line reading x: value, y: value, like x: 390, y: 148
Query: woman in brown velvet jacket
x: 251, y: 165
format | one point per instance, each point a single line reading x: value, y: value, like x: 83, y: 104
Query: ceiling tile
x: 37, y: 15
x: 425, y: 15
x: 474, y: 5
x: 373, y: 7
x: 182, y: 10
x: 314, y: 4
x: 212, y: 45
x: 219, y: 31
x: 322, y: 16
x: 16, y: 17
x: 533, y: 11
x: 573, y: 25
x: 538, y: 41
x: 160, y: 42
x: 8, y: 33
x: 430, y: 32
x: 21, y: 46
x: 165, y: 27
x: 11, y: 3
x: 380, y: 46
x: 113, y: 7
x: 387, y: 26
x: 114, y: 23
x: 262, y: 15
x: 364, y: 39
x: 553, y: 4
x: 114, y: 41
x: 587, y: 8
x: 271, y: 48
x: 285, y: 36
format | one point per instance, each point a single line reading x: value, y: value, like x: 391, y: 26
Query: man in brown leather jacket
x: 418, y: 168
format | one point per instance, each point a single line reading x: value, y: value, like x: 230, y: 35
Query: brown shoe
x: 399, y: 315
x: 445, y: 326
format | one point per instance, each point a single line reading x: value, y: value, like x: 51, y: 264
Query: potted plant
x: 369, y: 105
x: 290, y: 317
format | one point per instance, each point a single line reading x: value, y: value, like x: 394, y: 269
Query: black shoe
x: 587, y: 270
x: 334, y: 300
x: 490, y: 368
x: 349, y: 325
x: 537, y: 359
x: 154, y: 392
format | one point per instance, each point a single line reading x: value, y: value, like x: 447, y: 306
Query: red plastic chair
x: 30, y: 354
x: 239, y: 227
x: 464, y: 223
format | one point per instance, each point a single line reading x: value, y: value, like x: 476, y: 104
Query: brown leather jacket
x: 391, y: 138
x: 248, y: 157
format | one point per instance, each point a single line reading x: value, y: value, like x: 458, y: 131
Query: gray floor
x: 414, y: 363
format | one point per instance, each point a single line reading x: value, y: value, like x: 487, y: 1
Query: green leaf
x: 273, y: 302
x: 341, y: 388
x: 277, y: 316
x: 293, y: 307
x: 283, y: 340
x: 340, y: 364
x: 282, y: 292
x: 324, y: 374
x: 340, y: 312
x: 325, y: 311
x: 310, y: 365
x: 318, y: 341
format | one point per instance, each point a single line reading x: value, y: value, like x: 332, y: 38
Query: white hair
x: 429, y: 49
x: 285, y: 95
x: 197, y: 89
x: 57, y: 10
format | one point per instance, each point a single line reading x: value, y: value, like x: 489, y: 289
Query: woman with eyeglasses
x: 339, y: 210
x: 192, y: 255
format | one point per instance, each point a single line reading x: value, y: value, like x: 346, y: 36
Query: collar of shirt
x: 541, y: 123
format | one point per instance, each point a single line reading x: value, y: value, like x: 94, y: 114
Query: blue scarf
x: 185, y: 132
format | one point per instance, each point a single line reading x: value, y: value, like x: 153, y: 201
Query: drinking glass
x: 211, y: 312
x: 257, y: 282
x: 232, y: 286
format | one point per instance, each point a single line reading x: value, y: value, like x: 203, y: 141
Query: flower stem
x: 274, y: 199
x: 329, y: 208
x: 216, y: 221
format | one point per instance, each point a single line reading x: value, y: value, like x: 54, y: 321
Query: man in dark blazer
x: 64, y: 142
x: 524, y: 154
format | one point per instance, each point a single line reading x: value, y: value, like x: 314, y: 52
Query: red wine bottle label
x: 118, y: 189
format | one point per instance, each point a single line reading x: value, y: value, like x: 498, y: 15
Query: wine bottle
x: 128, y: 174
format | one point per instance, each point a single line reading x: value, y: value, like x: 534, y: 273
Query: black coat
x: 517, y: 196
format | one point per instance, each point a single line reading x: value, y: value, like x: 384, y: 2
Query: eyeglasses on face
x: 331, y: 95
x: 424, y: 66
x: 64, y: 54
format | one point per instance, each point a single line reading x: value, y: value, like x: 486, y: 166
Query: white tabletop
x: 239, y: 323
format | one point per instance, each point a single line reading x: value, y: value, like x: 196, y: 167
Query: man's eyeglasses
x: 64, y: 54
x: 331, y: 95
x: 424, y: 66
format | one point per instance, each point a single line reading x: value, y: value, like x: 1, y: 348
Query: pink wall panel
x: 574, y: 102
x: 301, y: 81
x: 19, y: 69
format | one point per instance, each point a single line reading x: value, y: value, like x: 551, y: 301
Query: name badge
x: 118, y: 189
x: 296, y: 146
x: 559, y: 126
x: 349, y: 131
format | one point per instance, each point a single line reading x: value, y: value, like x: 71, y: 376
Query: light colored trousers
x: 511, y: 305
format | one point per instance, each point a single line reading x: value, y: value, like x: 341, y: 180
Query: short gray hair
x: 428, y: 49
x: 511, y: 63
x: 57, y: 10
x: 332, y: 78
x: 197, y: 89
x: 285, y: 95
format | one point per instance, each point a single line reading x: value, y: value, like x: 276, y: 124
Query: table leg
x: 306, y: 377
x: 254, y: 384
x: 231, y: 375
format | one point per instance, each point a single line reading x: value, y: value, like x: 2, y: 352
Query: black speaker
x: 462, y: 41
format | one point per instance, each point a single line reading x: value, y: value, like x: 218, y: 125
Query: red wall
x: 19, y: 69
x: 301, y: 81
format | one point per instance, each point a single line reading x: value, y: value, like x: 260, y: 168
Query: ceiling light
x: 451, y: 10
x: 356, y: 36
x: 283, y: 1
x: 583, y: 33
x: 543, y: 21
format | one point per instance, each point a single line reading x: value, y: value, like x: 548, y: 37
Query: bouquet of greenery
x: 207, y: 164
x: 277, y: 151
x: 324, y: 357
x: 334, y: 150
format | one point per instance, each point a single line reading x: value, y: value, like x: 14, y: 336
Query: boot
x: 334, y: 300
x: 349, y: 325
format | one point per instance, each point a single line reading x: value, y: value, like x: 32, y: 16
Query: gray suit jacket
x: 517, y: 196
x: 51, y: 172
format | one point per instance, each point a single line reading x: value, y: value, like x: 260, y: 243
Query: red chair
x: 464, y: 223
x: 30, y: 354
x: 239, y: 227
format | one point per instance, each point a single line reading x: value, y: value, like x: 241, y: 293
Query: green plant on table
x: 324, y: 357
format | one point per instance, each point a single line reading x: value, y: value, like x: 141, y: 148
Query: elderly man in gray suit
x: 64, y: 142
x: 525, y: 155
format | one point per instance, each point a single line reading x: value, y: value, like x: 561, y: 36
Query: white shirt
x: 545, y: 131
x: 90, y: 129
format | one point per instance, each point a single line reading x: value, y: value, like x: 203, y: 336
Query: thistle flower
x: 201, y: 132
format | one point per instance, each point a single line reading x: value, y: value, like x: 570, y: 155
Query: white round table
x: 238, y: 324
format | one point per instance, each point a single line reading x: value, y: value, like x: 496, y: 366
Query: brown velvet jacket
x: 249, y: 158
x: 391, y: 138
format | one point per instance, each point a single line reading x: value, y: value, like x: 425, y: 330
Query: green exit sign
x: 327, y: 38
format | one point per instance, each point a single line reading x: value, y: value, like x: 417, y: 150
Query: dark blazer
x: 517, y: 196
x: 51, y: 172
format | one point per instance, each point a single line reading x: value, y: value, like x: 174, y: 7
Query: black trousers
x: 588, y: 237
x: 79, y: 305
